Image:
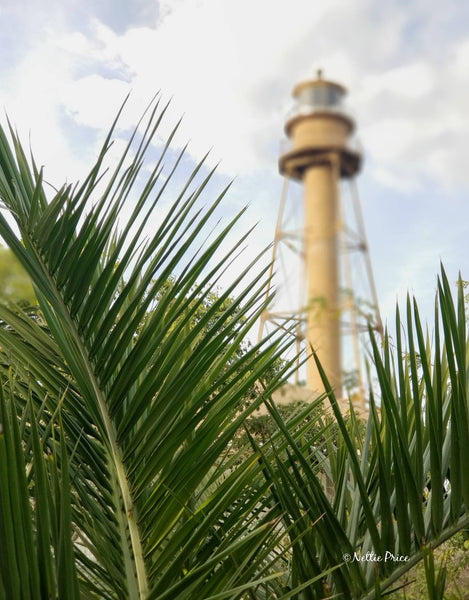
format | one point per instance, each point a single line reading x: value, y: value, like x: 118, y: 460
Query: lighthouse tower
x: 319, y: 130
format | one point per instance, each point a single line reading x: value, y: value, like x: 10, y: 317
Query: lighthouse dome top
x: 319, y: 94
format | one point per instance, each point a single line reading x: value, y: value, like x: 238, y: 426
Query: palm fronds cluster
x: 121, y: 395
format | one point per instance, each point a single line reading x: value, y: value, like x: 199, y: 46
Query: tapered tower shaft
x: 322, y: 276
x: 319, y: 130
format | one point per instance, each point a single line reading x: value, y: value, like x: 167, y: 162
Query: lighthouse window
x: 320, y: 97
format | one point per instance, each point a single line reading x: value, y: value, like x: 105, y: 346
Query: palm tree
x: 117, y: 410
x: 122, y: 397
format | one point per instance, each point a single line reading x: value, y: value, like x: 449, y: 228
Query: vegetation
x: 129, y: 468
x: 15, y: 286
x: 453, y: 561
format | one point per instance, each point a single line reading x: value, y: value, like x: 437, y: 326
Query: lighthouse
x: 320, y: 154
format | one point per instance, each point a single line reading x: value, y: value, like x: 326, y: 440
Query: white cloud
x: 32, y: 103
x: 94, y: 100
x: 388, y: 138
x: 394, y: 181
x: 229, y: 67
x: 412, y: 81
x: 215, y: 63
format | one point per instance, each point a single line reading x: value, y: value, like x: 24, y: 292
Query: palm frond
x: 148, y: 401
x: 392, y: 487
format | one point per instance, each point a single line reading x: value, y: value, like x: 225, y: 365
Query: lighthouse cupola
x: 317, y: 125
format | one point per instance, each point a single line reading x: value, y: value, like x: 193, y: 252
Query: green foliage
x: 130, y: 468
x: 36, y: 559
x: 300, y: 416
x: 204, y: 310
x: 391, y: 488
x: 148, y: 378
x: 451, y: 557
x: 15, y: 285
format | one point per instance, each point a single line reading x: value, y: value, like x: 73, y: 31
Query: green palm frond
x: 394, y: 486
x: 128, y: 469
x: 148, y: 400
x: 35, y: 502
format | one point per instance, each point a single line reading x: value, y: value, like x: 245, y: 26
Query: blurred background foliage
x: 15, y: 283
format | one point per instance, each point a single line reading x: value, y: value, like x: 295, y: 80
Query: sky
x: 229, y: 67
